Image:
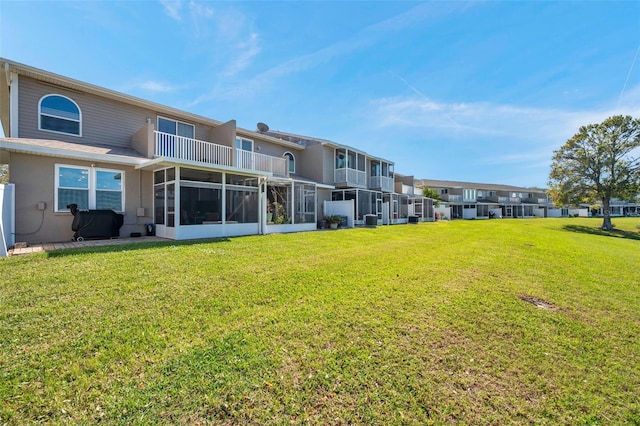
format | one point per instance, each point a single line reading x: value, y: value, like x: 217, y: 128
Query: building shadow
x: 130, y: 246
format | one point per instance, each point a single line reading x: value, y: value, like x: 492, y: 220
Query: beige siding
x: 34, y: 177
x: 104, y: 122
x: 316, y: 163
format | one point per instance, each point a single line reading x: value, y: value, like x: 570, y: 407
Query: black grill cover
x: 95, y: 223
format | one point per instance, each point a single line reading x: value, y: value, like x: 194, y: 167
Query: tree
x: 4, y: 173
x: 600, y: 162
x: 431, y: 193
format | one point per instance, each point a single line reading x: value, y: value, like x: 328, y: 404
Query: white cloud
x: 172, y: 8
x: 366, y: 37
x: 245, y: 51
x: 484, y: 119
x: 154, y: 86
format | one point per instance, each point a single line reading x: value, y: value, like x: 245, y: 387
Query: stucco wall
x: 33, y: 176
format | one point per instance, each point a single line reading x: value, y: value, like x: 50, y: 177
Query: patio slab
x: 21, y: 249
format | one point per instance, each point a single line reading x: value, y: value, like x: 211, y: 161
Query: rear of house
x: 191, y: 177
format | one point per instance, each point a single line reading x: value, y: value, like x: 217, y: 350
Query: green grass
x: 413, y: 324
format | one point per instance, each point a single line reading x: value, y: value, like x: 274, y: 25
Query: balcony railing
x: 534, y: 200
x: 181, y: 148
x: 382, y: 183
x: 408, y: 189
x: 264, y: 163
x: 451, y: 197
x: 351, y: 177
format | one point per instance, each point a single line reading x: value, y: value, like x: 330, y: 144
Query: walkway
x: 38, y: 248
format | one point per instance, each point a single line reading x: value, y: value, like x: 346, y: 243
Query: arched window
x: 59, y: 114
x: 292, y: 161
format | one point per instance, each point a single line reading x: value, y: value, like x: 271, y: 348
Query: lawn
x: 470, y: 322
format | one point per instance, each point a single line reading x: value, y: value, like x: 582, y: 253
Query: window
x: 469, y: 194
x: 59, y: 114
x: 291, y: 161
x: 341, y: 159
x: 375, y: 168
x: 244, y: 153
x: 244, y: 144
x: 89, y: 188
x: 178, y: 128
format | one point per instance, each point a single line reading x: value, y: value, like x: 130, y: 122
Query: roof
x: 433, y: 183
x: 308, y: 140
x: 62, y: 149
x: 77, y: 85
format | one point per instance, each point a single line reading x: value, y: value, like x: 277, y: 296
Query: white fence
x: 7, y: 217
x: 341, y: 208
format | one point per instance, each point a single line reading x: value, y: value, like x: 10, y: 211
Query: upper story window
x: 174, y: 127
x: 469, y: 194
x: 291, y: 161
x: 59, y: 114
x: 341, y: 159
x: 244, y: 144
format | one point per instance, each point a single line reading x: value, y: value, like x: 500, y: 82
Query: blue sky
x: 471, y: 91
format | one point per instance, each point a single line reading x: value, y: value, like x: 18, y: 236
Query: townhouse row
x: 189, y: 176
x: 70, y: 142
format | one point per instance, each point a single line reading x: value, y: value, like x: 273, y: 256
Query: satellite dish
x: 262, y: 127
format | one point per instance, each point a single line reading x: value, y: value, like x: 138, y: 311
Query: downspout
x: 262, y: 205
x: 12, y: 83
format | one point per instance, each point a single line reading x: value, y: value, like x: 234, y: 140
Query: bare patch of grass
x: 538, y: 303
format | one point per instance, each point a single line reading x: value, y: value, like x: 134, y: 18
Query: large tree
x: 600, y: 162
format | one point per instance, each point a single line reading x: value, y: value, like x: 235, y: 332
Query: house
x: 364, y: 184
x: 180, y: 174
x: 69, y: 142
x: 469, y: 200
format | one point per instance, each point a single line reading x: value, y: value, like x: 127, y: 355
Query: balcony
x: 350, y: 178
x: 181, y: 148
x: 381, y: 183
x: 408, y: 190
x: 534, y: 200
x: 451, y: 197
x: 264, y: 163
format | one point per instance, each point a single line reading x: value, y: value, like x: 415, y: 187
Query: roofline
x: 8, y: 66
x: 430, y: 183
x: 327, y: 142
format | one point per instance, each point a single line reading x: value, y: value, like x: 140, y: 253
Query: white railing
x: 351, y: 177
x: 503, y: 199
x: 451, y: 197
x: 383, y: 183
x: 179, y: 147
x: 408, y: 189
x: 264, y: 163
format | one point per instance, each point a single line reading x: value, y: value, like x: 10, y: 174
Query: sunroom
x: 194, y: 202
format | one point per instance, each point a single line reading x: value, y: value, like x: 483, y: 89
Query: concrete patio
x: 21, y: 248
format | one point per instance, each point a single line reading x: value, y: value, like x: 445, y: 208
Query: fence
x: 7, y: 217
